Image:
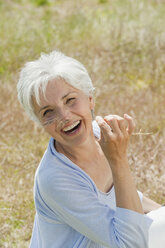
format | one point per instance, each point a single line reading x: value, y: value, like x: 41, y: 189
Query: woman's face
x: 65, y: 113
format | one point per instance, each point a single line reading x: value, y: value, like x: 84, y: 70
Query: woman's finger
x: 113, y: 123
x: 105, y: 128
x: 123, y: 126
x: 131, y: 124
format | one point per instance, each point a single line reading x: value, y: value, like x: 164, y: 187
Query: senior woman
x: 85, y: 196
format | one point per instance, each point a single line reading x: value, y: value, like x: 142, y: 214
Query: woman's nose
x: 63, y: 116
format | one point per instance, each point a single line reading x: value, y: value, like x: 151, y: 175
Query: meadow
x: 122, y: 44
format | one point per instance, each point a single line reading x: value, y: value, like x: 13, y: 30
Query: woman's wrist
x: 117, y: 160
x: 118, y: 164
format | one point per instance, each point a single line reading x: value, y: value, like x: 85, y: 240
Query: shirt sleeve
x: 75, y: 202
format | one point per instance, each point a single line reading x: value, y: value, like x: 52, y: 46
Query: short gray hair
x: 35, y: 76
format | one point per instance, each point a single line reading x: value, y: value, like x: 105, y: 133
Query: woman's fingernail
x: 126, y: 116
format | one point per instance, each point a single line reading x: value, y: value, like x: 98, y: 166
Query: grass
x: 122, y: 44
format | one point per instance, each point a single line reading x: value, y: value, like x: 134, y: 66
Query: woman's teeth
x: 66, y: 129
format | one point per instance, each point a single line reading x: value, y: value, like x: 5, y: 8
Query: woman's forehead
x: 56, y: 90
x: 58, y: 85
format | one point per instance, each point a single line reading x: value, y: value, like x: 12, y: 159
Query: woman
x: 84, y: 192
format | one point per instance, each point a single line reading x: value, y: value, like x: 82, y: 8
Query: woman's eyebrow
x: 68, y: 94
x: 47, y: 106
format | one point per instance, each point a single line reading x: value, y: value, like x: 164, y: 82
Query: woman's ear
x: 91, y: 102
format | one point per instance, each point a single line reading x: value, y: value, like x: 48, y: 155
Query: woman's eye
x: 47, y: 111
x: 70, y: 100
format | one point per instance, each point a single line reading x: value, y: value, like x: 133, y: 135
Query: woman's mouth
x: 72, y: 129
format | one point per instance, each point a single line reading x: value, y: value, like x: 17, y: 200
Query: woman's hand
x: 115, y: 133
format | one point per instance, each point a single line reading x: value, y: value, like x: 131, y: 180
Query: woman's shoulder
x: 55, y: 169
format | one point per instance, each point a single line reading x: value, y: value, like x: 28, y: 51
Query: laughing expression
x: 65, y: 113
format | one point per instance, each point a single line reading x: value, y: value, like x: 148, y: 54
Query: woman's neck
x: 83, y: 152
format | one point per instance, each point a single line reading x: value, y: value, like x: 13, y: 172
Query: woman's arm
x: 115, y: 133
x: 149, y: 205
x: 72, y: 199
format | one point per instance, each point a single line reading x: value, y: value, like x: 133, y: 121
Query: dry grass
x: 122, y: 43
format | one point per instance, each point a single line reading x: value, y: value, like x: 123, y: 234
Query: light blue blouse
x: 72, y: 213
